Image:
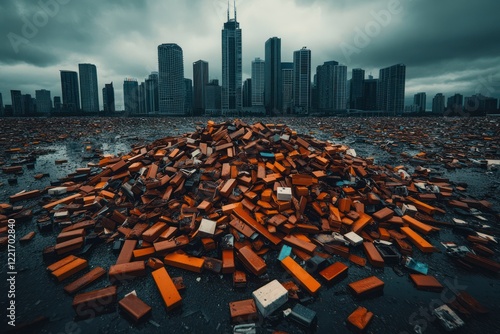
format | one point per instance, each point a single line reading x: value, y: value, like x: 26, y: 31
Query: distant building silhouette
x: 273, y: 100
x: 152, y: 100
x: 70, y: 92
x: 438, y: 103
x: 17, y: 103
x: 108, y: 98
x: 57, y: 104
x: 171, y: 86
x: 287, y: 87
x: 247, y: 93
x: 88, y: 87
x: 200, y: 81
x: 420, y: 101
x: 370, y: 94
x: 302, y: 80
x: 231, y: 65
x: 28, y: 104
x: 392, y: 88
x: 2, y: 110
x: 356, y: 89
x: 455, y: 102
x: 258, y: 81
x: 331, y: 81
x: 142, y: 98
x: 213, y: 95
x: 131, y: 96
x: 479, y: 104
x: 43, y: 101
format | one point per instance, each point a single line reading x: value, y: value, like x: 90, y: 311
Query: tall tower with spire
x: 231, y: 65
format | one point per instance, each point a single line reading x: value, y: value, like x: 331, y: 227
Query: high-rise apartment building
x: 70, y: 91
x: 302, y: 80
x: 356, y: 89
x: 258, y: 80
x: 287, y: 87
x: 392, y: 88
x: 131, y: 96
x: 108, y: 98
x: 43, y: 101
x: 88, y: 87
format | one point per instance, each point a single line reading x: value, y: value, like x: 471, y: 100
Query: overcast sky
x: 448, y: 46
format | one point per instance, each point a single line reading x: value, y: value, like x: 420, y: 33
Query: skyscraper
x: 356, y: 93
x: 455, y: 102
x: 258, y: 80
x: 273, y: 77
x: 171, y: 87
x: 43, y: 101
x: 213, y: 93
x: 70, y: 94
x: 420, y: 101
x: 108, y: 98
x: 438, y: 103
x: 247, y: 93
x: 302, y: 80
x: 287, y: 87
x: 231, y: 65
x: 188, y: 100
x: 200, y: 80
x: 131, y: 95
x: 57, y: 103
x: 370, y: 94
x: 392, y: 88
x: 152, y: 104
x: 1, y: 105
x: 28, y: 104
x: 88, y: 87
x: 142, y: 98
x: 17, y: 103
x: 332, y: 86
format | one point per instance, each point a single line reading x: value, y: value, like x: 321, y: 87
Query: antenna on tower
x: 227, y: 10
x: 234, y: 5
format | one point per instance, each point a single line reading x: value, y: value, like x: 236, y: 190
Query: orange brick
x: 166, y: 286
x: 184, y: 261
x: 303, y: 277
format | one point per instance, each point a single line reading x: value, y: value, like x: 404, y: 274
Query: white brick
x: 284, y: 194
x: 270, y: 297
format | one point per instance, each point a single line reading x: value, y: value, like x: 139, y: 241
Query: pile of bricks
x: 240, y: 191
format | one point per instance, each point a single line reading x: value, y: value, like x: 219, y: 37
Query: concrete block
x: 270, y: 297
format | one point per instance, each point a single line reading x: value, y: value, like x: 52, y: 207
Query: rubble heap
x: 240, y: 191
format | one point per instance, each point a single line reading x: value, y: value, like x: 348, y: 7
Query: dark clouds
x: 447, y: 45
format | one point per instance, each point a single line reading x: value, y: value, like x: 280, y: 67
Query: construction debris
x: 226, y: 196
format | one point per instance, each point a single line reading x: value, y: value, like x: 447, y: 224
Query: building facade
x: 131, y: 96
x: 70, y: 91
x: 108, y: 98
x: 302, y: 81
x: 152, y: 101
x: 17, y: 103
x: 258, y: 81
x: 273, y: 99
x: 287, y: 87
x: 392, y: 88
x: 43, y: 101
x: 88, y: 87
x: 420, y: 101
x: 438, y: 103
x: 200, y: 81
x: 171, y: 86
x: 356, y: 89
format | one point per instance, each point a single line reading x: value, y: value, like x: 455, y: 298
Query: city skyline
x: 363, y: 35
